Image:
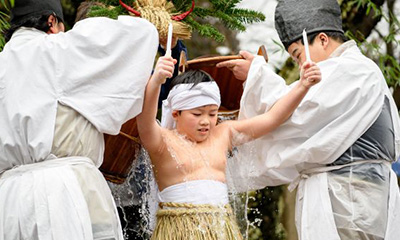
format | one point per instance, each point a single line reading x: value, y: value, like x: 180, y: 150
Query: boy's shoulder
x: 223, y: 129
x: 167, y: 132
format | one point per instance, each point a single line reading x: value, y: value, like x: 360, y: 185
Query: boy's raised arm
x: 260, y: 125
x: 149, y: 130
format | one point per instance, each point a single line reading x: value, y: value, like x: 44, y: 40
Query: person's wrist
x: 161, y: 80
x: 157, y: 79
x: 304, y: 86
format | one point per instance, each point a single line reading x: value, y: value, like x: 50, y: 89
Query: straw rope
x: 180, y: 221
x: 158, y: 12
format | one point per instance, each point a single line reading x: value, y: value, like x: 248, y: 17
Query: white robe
x: 100, y: 69
x: 331, y: 117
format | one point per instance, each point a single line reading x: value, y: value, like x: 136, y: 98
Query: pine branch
x: 233, y: 19
x: 224, y: 11
x: 247, y: 16
x: 181, y: 5
x: 206, y: 30
x: 97, y: 11
x: 5, y: 7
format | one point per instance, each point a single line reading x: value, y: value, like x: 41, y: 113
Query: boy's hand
x: 164, y: 69
x: 310, y: 74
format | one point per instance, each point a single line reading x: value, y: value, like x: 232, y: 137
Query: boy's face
x: 196, y: 123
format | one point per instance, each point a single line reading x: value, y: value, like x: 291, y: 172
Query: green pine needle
x: 97, y: 11
x: 224, y: 11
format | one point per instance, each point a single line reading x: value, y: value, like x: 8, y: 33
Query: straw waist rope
x: 309, y: 172
x: 56, y: 162
x: 177, y: 209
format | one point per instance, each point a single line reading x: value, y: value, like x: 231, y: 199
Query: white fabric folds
x: 98, y: 72
x: 196, y: 192
x: 187, y: 96
x: 331, y: 117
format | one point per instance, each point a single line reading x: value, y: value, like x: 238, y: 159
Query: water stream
x: 137, y: 201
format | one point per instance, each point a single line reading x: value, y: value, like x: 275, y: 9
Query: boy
x: 190, y: 158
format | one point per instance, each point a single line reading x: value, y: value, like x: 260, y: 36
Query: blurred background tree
x: 5, y: 7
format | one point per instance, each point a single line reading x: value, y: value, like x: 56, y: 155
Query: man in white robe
x: 59, y: 92
x: 338, y: 145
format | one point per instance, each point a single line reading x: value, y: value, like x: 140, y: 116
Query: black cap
x: 28, y: 8
x: 292, y: 16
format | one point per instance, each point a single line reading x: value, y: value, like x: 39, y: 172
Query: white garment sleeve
x: 247, y: 170
x: 103, y: 66
x: 332, y: 116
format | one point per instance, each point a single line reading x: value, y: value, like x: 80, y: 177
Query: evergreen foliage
x: 225, y: 11
x: 4, y: 19
x: 380, y: 46
x: 97, y: 11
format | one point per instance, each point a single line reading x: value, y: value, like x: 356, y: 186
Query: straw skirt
x: 181, y: 221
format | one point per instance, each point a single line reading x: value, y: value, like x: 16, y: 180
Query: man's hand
x: 239, y: 67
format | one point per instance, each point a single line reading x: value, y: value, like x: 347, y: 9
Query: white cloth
x: 331, y: 117
x: 187, y: 96
x: 49, y: 200
x: 349, y: 201
x: 196, y: 192
x: 99, y: 69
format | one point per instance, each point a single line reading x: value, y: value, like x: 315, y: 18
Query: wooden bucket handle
x: 183, y: 63
x: 262, y: 51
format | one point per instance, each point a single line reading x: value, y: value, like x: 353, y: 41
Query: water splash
x: 239, y: 189
x: 137, y: 201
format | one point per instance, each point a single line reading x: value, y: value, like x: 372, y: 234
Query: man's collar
x: 342, y: 48
x: 27, y: 31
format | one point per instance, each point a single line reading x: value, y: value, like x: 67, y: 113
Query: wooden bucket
x: 231, y: 89
x: 122, y: 150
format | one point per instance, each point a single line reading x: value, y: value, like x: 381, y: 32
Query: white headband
x: 185, y: 97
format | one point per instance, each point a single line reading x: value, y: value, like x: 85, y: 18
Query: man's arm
x: 87, y: 58
x: 260, y: 125
x: 149, y: 130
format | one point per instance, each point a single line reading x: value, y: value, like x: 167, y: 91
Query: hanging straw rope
x: 159, y: 12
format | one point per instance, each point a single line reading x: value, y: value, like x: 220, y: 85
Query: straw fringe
x: 179, y: 221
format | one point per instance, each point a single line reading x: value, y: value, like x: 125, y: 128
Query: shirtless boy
x: 189, y: 151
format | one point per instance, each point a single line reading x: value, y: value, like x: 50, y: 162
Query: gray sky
x: 258, y: 34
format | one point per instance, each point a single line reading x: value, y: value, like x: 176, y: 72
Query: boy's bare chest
x: 210, y: 154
